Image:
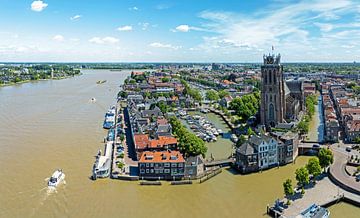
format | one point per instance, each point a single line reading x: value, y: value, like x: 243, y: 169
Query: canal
x: 52, y: 124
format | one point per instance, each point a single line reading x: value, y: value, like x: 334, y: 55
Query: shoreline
x: 39, y: 80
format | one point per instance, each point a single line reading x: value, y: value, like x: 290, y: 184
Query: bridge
x: 309, y: 147
x: 220, y: 163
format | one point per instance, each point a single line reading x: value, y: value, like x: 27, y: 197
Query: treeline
x: 246, y: 106
x: 304, y: 125
x: 189, y: 144
x: 194, y: 93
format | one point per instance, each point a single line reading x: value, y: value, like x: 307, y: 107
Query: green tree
x: 223, y: 93
x: 303, y: 127
x: 357, y: 140
x: 288, y: 188
x: 242, y: 140
x: 165, y: 79
x: 212, y: 95
x: 313, y: 166
x: 326, y: 157
x: 302, y: 176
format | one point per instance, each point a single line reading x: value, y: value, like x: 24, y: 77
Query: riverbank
x: 39, y: 80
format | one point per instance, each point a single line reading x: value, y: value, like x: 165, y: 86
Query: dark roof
x: 194, y: 160
x: 246, y: 149
x: 294, y: 85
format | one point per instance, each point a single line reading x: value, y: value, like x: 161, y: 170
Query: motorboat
x: 56, y: 178
x: 93, y: 100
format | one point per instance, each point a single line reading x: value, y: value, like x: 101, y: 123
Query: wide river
x: 52, y: 124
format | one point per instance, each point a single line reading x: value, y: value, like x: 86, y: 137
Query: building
x: 280, y: 100
x: 257, y: 153
x: 166, y: 165
x: 194, y: 167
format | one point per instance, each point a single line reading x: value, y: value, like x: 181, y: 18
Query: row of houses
x: 156, y: 147
x: 342, y: 113
x: 262, y: 151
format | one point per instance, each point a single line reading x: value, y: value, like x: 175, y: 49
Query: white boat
x: 93, y: 99
x: 56, y: 178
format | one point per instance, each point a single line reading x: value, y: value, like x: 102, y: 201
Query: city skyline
x: 172, y: 31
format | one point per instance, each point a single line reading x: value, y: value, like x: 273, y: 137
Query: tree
x: 240, y: 141
x: 357, y: 140
x: 122, y: 137
x: 302, y: 176
x: 223, y: 93
x: 288, y: 188
x: 326, y: 157
x: 189, y: 144
x: 212, y: 95
x: 165, y: 79
x: 313, y: 166
x: 303, y: 127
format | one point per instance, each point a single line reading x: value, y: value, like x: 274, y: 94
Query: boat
x: 93, y: 99
x: 315, y: 211
x: 220, y: 131
x: 56, y: 178
x: 101, y: 168
x: 101, y: 81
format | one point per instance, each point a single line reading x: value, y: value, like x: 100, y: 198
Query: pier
x: 220, y: 163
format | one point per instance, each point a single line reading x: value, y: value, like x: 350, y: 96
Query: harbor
x: 74, y: 133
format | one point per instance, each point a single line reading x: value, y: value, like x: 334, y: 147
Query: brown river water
x: 51, y: 124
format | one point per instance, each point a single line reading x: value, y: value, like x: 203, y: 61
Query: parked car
x: 357, y: 178
x: 316, y: 146
x: 348, y: 149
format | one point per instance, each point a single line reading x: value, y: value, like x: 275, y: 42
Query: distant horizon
x: 319, y: 31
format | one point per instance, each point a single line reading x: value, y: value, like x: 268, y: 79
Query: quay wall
x: 342, y: 185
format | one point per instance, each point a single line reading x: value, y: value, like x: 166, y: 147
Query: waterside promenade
x: 324, y: 193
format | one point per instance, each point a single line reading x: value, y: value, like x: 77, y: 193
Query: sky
x: 179, y: 31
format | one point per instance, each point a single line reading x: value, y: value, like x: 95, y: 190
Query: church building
x: 281, y: 101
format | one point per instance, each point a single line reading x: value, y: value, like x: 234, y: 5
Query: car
x: 357, y: 178
x: 348, y: 149
x: 316, y: 146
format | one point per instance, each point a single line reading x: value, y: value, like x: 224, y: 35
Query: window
x: 151, y: 171
x: 152, y: 165
x: 147, y: 164
x: 173, y: 165
x: 180, y: 164
x: 157, y: 171
x: 142, y: 165
x: 161, y: 171
x: 142, y: 171
x: 147, y: 170
x: 167, y: 165
x: 167, y: 171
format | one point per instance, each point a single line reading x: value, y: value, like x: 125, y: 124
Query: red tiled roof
x: 141, y: 141
x: 161, y: 121
x: 162, y: 141
x: 161, y: 156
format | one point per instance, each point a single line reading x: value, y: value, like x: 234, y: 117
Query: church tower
x: 273, y: 105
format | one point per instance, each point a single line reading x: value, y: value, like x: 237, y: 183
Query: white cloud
x: 38, y: 6
x: 186, y: 28
x: 144, y: 26
x: 125, y: 28
x: 183, y: 28
x: 161, y: 45
x: 76, y: 17
x: 324, y: 27
x: 104, y: 40
x: 59, y: 38
x: 134, y: 8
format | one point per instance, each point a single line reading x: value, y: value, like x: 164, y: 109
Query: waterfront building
x: 194, y: 167
x: 280, y: 100
x: 257, y: 153
x: 167, y: 165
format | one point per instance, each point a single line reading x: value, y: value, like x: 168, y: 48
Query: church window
x: 270, y: 98
x: 271, y: 112
x: 266, y: 79
x: 274, y: 74
x: 270, y: 77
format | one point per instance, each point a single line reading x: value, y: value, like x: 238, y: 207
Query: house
x: 167, y: 165
x: 150, y: 113
x: 352, y: 130
x: 194, y: 167
x: 225, y: 101
x: 257, y: 153
x: 163, y: 130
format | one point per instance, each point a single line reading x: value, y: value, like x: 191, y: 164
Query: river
x: 51, y: 124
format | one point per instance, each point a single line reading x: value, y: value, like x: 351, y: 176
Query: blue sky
x: 179, y: 31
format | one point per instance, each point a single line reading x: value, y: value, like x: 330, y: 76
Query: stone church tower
x: 273, y: 92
